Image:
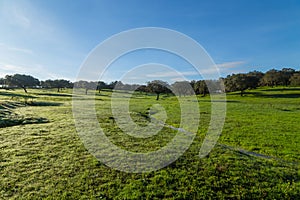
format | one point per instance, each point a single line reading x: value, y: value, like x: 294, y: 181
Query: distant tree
x: 158, y: 87
x: 230, y: 85
x: 2, y: 82
x: 91, y: 86
x: 113, y: 84
x: 295, y: 79
x: 135, y: 87
x: 59, y: 84
x: 240, y: 82
x: 182, y: 88
x: 117, y: 85
x: 46, y: 84
x: 141, y: 88
x: 271, y: 78
x: 101, y: 85
x: 256, y: 78
x: 285, y: 75
x: 221, y: 84
x: 200, y: 87
x: 86, y: 85
x: 192, y: 83
x: 215, y: 86
x: 23, y: 81
x: 256, y: 73
x: 128, y: 87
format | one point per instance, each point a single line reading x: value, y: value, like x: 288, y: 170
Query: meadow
x: 257, y: 155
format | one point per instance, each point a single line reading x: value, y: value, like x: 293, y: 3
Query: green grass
x: 48, y: 160
x: 265, y: 121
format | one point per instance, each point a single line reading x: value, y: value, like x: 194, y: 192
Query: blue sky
x: 51, y: 39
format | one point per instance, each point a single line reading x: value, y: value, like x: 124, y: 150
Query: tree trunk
x: 24, y: 88
x: 57, y: 89
x: 157, y: 96
x: 86, y: 91
x: 242, y: 93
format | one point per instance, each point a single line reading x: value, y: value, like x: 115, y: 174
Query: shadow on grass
x: 265, y: 95
x: 9, y: 118
x: 100, y: 94
x: 221, y: 101
x: 280, y: 95
x: 8, y: 94
x: 15, y: 104
x: 43, y: 104
x: 244, y: 94
x: 281, y: 89
x: 54, y: 95
x: 22, y: 121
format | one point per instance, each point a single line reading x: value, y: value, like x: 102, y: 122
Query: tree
x: 59, y: 84
x: 285, y: 75
x: 113, y: 84
x: 86, y: 85
x: 2, y: 82
x: 101, y: 85
x: 240, y: 82
x: 158, y: 87
x: 230, y: 85
x: 256, y: 78
x: 271, y: 78
x: 117, y: 85
x: 192, y: 83
x: 256, y: 73
x: 47, y: 84
x: 295, y: 79
x: 215, y: 86
x: 200, y: 87
x: 182, y: 88
x: 22, y: 81
x: 142, y: 88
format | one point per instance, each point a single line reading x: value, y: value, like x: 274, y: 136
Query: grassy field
x: 42, y: 155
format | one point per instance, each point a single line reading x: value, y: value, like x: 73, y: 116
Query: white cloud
x: 178, y: 79
x: 230, y: 64
x: 221, y: 69
x: 16, y: 49
x: 212, y: 70
x: 12, y: 68
x: 16, y: 14
x: 9, y: 68
x: 20, y: 18
x: 30, y: 20
x: 37, y: 71
x: 25, y: 27
x: 27, y: 51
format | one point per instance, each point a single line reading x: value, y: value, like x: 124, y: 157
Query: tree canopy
x: 22, y: 81
x: 182, y: 88
x: 241, y: 82
x: 295, y: 79
x: 234, y: 82
x: 158, y: 87
x: 87, y: 85
x: 59, y: 84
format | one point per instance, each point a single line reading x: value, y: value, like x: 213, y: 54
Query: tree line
x: 234, y: 82
x: 251, y: 80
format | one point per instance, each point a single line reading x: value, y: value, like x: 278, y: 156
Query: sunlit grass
x: 48, y: 160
